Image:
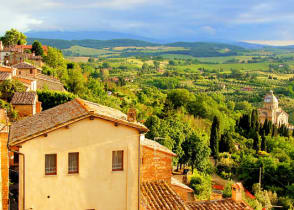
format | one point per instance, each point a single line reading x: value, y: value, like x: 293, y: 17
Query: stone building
x: 271, y: 111
x: 26, y: 103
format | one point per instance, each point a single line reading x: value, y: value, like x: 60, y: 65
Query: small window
x: 117, y: 160
x: 31, y: 71
x: 73, y: 163
x: 51, y: 164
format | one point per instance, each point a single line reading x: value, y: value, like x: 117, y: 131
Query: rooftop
x: 228, y: 203
x: 4, y: 75
x: 159, y: 196
x: 176, y: 182
x: 63, y: 114
x: 24, y: 65
x: 156, y: 146
x: 24, y: 98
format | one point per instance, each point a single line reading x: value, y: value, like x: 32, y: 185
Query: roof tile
x: 24, y: 98
x: 158, y: 195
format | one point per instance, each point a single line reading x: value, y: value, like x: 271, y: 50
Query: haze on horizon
x: 263, y: 20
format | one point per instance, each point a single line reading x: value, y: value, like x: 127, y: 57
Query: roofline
x: 27, y: 138
x: 168, y: 153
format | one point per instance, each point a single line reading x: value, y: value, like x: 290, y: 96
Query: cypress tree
x: 275, y: 130
x: 263, y: 142
x: 214, y: 137
x: 256, y: 143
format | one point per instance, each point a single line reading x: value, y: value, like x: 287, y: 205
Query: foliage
x: 51, y: 98
x: 201, y: 184
x: 13, y: 37
x: 215, y: 137
x: 37, y: 48
x: 9, y: 87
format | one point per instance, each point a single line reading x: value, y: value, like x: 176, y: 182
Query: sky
x: 179, y: 20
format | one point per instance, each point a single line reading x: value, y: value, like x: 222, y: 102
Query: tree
x: 263, y: 141
x: 54, y: 58
x: 226, y: 143
x: 13, y: 37
x: 9, y: 87
x: 214, y: 137
x: 256, y: 141
x: 37, y: 48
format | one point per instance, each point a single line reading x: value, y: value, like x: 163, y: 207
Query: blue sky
x: 188, y: 20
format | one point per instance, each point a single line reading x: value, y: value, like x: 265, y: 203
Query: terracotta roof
x: 6, y: 69
x: 24, y: 79
x: 228, y: 203
x: 159, y: 196
x: 29, y: 47
x: 4, y: 75
x: 25, y: 98
x: 24, y: 65
x: 60, y: 115
x: 180, y: 184
x: 156, y: 146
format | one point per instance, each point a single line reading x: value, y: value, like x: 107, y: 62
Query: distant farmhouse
x: 272, y: 112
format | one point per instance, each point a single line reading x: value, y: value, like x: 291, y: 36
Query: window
x: 117, y: 160
x: 73, y: 163
x: 51, y: 164
x: 31, y: 71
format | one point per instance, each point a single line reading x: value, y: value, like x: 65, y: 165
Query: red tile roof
x: 6, y: 69
x: 159, y: 196
x: 228, y: 204
x: 63, y: 114
x: 24, y: 98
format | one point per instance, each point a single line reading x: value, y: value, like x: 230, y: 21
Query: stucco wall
x: 25, y: 110
x: 96, y: 186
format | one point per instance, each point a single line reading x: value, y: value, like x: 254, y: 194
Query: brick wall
x: 4, y: 160
x: 155, y: 165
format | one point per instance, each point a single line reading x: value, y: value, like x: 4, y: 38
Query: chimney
x: 4, y: 172
x: 132, y: 114
x: 237, y: 190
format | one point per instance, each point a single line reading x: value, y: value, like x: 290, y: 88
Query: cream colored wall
x: 96, y: 186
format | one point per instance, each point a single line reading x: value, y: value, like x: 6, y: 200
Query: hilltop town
x: 146, y: 133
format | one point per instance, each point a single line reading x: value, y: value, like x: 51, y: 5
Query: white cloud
x: 19, y: 13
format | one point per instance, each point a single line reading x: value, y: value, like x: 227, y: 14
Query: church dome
x: 270, y: 98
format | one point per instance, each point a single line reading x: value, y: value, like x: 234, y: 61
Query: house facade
x: 78, y: 155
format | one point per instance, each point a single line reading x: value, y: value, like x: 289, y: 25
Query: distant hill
x: 97, y: 44
x: 196, y: 49
x: 82, y: 35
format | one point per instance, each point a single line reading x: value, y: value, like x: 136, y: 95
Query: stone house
x: 26, y: 103
x: 89, y: 150
x: 27, y: 69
